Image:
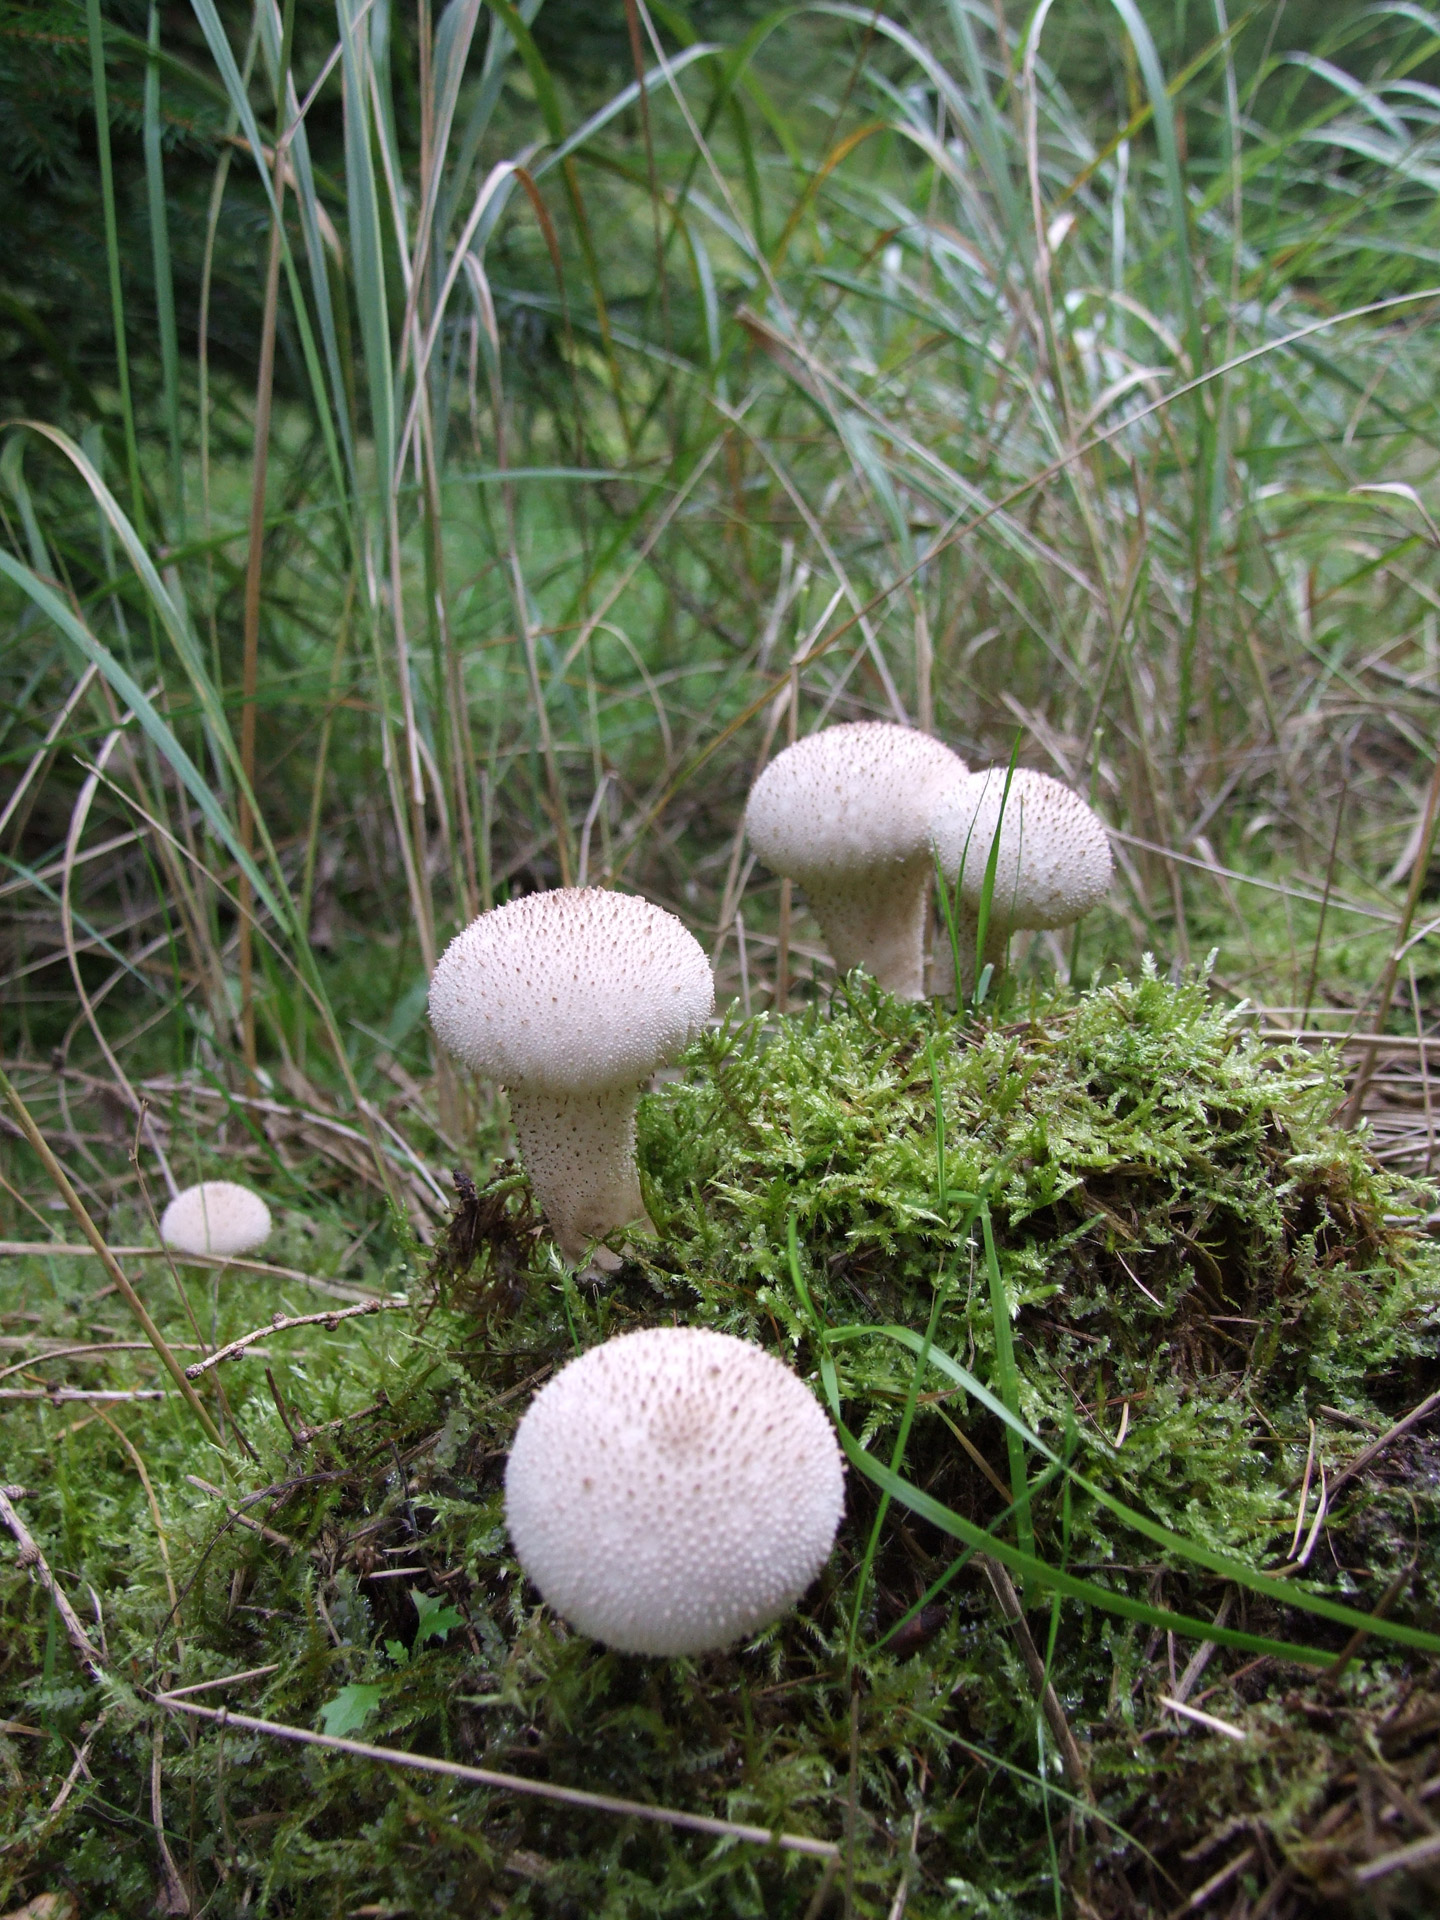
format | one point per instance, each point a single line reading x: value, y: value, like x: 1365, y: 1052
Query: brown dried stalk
x: 510, y: 1782
x: 282, y: 1323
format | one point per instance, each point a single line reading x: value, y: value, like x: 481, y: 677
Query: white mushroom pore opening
x: 570, y: 1000
x: 1052, y: 861
x: 846, y: 812
x: 673, y: 1490
x: 217, y: 1217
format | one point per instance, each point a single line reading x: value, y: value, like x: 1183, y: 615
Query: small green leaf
x: 436, y: 1619
x: 350, y: 1709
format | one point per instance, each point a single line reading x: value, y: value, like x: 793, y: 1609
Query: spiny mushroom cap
x: 570, y: 991
x: 1054, y: 860
x: 218, y: 1216
x: 673, y: 1489
x: 852, y: 797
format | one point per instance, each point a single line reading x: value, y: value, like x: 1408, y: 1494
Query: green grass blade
x: 100, y: 90
x: 156, y: 728
x: 1009, y: 1378
x: 987, y: 884
x: 1224, y: 1566
x: 164, y: 279
x: 367, y: 246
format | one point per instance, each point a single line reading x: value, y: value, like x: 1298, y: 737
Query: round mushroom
x: 1053, y: 863
x: 218, y: 1217
x: 571, y: 999
x: 846, y: 812
x: 673, y: 1490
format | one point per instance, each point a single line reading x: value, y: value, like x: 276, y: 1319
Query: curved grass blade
x: 1284, y: 1592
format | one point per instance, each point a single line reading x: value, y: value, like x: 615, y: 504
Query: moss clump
x: 1185, y: 1250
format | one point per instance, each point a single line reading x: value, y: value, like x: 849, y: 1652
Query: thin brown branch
x: 112, y: 1266
x: 282, y: 1323
x: 86, y: 1651
x: 65, y: 1250
x: 224, y: 1680
x: 511, y: 1782
x: 1009, y: 1603
x: 1372, y: 1453
x: 240, y: 1519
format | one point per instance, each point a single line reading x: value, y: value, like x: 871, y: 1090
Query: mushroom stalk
x: 967, y: 928
x: 878, y: 922
x: 579, y: 1151
x: 571, y: 1000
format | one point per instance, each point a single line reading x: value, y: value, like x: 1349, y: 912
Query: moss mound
x: 1135, y: 1236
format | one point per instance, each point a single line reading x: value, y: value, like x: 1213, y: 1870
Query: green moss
x: 1189, y: 1247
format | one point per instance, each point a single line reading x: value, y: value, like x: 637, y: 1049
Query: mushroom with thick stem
x: 217, y: 1217
x: 673, y: 1489
x: 846, y: 812
x: 1052, y: 861
x: 571, y: 999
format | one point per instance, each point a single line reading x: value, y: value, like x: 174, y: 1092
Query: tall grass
x: 596, y: 442
x: 848, y: 369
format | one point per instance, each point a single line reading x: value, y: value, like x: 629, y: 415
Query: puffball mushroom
x: 1053, y: 863
x: 673, y: 1489
x: 846, y: 812
x: 571, y: 999
x: 218, y: 1216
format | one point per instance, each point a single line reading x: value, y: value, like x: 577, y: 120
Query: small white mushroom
x: 673, y: 1490
x: 571, y: 1000
x: 846, y: 812
x: 1053, y: 862
x: 218, y: 1216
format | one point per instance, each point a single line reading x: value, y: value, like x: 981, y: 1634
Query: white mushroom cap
x: 673, y: 1490
x: 1054, y: 860
x: 846, y: 812
x: 218, y: 1217
x: 851, y: 797
x: 570, y: 999
x: 571, y: 991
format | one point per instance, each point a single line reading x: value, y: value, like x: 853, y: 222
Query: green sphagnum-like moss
x: 1191, y: 1254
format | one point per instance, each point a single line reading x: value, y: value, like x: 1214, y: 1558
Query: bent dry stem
x: 508, y: 1782
x: 112, y: 1266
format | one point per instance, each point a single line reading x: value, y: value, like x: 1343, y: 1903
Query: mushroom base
x: 876, y: 920
x: 579, y: 1151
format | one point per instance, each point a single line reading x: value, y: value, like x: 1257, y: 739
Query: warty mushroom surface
x: 216, y: 1217
x: 1053, y: 863
x: 673, y: 1490
x: 846, y: 812
x: 571, y: 999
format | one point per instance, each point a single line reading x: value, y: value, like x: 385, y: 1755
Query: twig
x: 85, y: 1393
x: 511, y: 1782
x: 1363, y: 1459
x: 1419, y: 1853
x: 1357, y: 1639
x: 1200, y: 1659
x: 822, y: 1892
x: 176, y: 1896
x: 225, y: 1680
x: 1203, y: 1719
x: 31, y: 1556
x: 112, y: 1266
x: 1009, y: 1602
x: 282, y: 1323
x: 67, y: 1250
x: 1214, y: 1884
x: 242, y: 1519
x: 82, y: 1755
